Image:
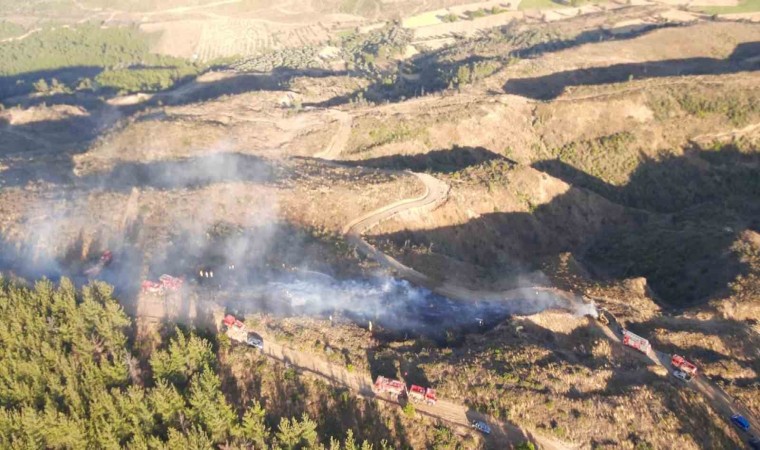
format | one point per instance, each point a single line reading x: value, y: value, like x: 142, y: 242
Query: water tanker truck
x: 635, y: 341
x: 680, y: 363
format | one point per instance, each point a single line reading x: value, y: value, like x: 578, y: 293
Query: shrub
x: 409, y: 410
x: 477, y: 13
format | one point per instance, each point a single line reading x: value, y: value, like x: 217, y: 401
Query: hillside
x: 473, y: 197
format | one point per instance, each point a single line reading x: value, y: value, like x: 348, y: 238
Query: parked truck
x: 238, y: 332
x: 419, y: 394
x: 393, y: 388
x: 679, y: 362
x: 635, y: 341
x: 166, y: 283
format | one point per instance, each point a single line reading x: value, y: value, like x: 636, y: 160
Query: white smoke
x: 586, y: 309
x: 198, y: 193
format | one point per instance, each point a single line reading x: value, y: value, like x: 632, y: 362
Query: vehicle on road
x: 740, y: 421
x: 238, y: 332
x: 680, y: 363
x: 255, y: 340
x: 393, y: 388
x: 166, y: 284
x: 481, y: 426
x: 635, y: 341
x: 419, y: 394
x: 681, y: 375
x: 754, y: 443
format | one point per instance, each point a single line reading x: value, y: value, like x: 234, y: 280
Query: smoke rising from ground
x: 212, y: 218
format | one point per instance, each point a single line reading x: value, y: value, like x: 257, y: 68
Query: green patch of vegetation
x: 372, y: 132
x: 395, y: 133
x: 85, y: 45
x: 489, y: 173
x: 10, y: 29
x: 368, y: 52
x: 743, y: 6
x: 538, y: 4
x: 145, y: 80
x: 118, y: 58
x: 409, y: 410
x: 469, y: 73
x: 360, y: 7
x: 445, y: 439
x: 481, y: 12
x: 610, y: 158
x: 69, y: 380
x: 450, y: 17
x: 737, y: 107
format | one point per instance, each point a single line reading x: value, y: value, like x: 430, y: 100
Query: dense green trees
x: 66, y: 382
x: 119, y: 59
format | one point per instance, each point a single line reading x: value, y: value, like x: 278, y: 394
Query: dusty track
x: 453, y: 414
x: 717, y: 397
x: 456, y: 415
x: 436, y: 192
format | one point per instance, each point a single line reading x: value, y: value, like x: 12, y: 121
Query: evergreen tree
x: 253, y: 430
x: 293, y: 434
x: 210, y: 410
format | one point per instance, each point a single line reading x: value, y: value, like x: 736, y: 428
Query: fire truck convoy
x: 419, y: 394
x: 397, y: 390
x: 636, y: 341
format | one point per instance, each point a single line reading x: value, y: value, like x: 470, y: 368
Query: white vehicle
x: 681, y: 375
x: 481, y: 426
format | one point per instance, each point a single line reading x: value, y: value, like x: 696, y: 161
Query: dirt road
x: 453, y: 414
x: 503, y: 435
x: 723, y: 404
x: 340, y: 139
x: 436, y: 192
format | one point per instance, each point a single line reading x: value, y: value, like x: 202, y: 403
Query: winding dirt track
x: 436, y: 193
x: 723, y: 404
x: 504, y: 435
x: 453, y: 414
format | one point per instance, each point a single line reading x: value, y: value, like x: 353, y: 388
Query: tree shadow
x: 22, y: 84
x: 685, y: 214
x: 551, y: 86
x: 340, y: 410
x: 43, y: 150
x: 436, y: 71
x: 445, y: 161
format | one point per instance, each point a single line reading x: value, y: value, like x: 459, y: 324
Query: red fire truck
x: 679, y: 362
x: 419, y: 394
x: 393, y: 388
x: 636, y: 341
